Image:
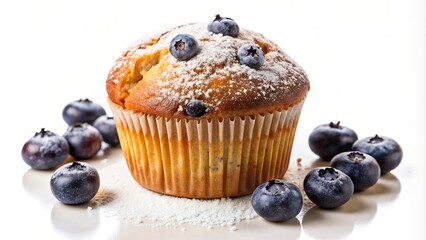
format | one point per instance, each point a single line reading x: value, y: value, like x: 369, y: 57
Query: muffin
x: 202, y: 112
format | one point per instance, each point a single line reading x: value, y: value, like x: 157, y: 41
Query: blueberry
x: 225, y: 26
x: 84, y: 140
x: 362, y: 168
x: 82, y: 110
x: 328, y: 187
x: 251, y: 55
x: 328, y: 140
x: 75, y: 183
x: 277, y: 200
x: 195, y: 108
x: 183, y: 47
x: 45, y: 150
x: 385, y: 150
x: 106, y: 127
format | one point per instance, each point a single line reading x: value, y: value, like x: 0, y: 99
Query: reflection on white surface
x: 386, y: 190
x: 74, y: 220
x: 324, y: 224
x: 338, y: 223
x: 37, y: 184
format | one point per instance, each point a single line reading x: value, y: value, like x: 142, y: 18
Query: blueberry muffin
x: 206, y: 110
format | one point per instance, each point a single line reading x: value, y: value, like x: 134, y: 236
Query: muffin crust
x: 148, y: 79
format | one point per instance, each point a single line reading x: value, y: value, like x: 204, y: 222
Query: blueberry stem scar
x: 335, y: 125
x: 251, y: 51
x: 179, y: 45
x: 272, y: 182
x: 356, y: 156
x: 76, y: 165
x: 42, y: 132
x: 328, y: 174
x: 375, y: 139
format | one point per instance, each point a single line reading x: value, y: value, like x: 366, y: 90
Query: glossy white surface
x: 366, y: 61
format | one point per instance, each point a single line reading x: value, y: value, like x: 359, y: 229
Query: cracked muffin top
x: 218, y: 75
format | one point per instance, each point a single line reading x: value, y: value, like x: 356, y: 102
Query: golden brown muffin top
x: 148, y: 79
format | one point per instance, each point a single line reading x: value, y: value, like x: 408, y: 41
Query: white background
x: 366, y: 61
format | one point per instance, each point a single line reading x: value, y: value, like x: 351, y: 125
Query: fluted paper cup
x: 203, y: 158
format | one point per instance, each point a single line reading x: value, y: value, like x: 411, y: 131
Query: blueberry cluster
x: 85, y: 111
x: 88, y: 127
x: 355, y: 165
x: 362, y: 161
x: 185, y: 46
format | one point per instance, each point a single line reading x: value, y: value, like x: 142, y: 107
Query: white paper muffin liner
x: 203, y: 158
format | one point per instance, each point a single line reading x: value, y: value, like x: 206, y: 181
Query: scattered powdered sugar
x: 141, y: 206
x: 122, y: 198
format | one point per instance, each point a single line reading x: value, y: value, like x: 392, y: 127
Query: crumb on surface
x: 233, y: 228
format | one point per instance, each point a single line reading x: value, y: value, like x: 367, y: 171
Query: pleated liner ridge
x: 203, y: 158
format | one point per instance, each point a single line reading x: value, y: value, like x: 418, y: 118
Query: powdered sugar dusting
x: 141, y: 206
x: 133, y: 203
x: 215, y: 75
x: 216, y: 61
